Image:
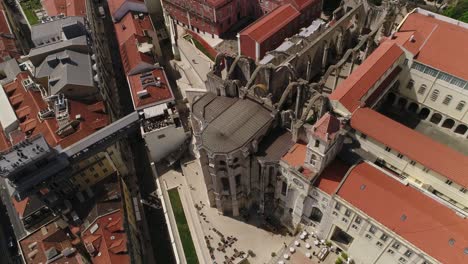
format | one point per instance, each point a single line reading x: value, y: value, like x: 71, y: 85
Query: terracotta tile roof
x: 296, y: 155
x: 107, y: 244
x: 129, y: 26
x: 132, y: 57
x: 416, y: 217
x: 443, y: 45
x: 115, y: 5
x: 20, y: 206
x: 7, y: 39
x: 326, y: 127
x: 271, y: 23
x: 66, y: 7
x: 412, y: 144
x: 50, y: 238
x: 301, y: 4
x: 4, y: 142
x: 149, y: 81
x: 331, y: 176
x: 32, y: 103
x: 351, y: 91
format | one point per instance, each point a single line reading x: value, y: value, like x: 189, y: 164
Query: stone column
x: 353, y: 59
x: 325, y: 57
x: 367, y: 50
x: 337, y: 76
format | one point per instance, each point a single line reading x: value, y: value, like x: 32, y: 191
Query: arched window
x: 410, y: 84
x: 434, y: 95
x: 447, y: 100
x: 313, y: 159
x: 461, y: 105
x: 422, y: 89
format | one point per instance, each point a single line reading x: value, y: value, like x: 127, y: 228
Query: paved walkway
x: 246, y: 236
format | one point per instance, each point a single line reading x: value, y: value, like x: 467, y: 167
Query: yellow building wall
x: 93, y: 170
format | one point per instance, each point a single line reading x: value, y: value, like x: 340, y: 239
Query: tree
x: 458, y: 11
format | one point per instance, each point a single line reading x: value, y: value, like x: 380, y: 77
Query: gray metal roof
x: 79, y: 44
x: 275, y: 145
x: 233, y: 122
x: 66, y: 67
x: 48, y: 30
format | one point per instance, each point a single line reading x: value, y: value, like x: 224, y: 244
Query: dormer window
x: 317, y: 143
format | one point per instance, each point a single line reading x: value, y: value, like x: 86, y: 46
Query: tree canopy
x: 458, y: 11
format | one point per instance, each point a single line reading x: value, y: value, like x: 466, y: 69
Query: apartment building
x: 435, y: 88
x: 214, y: 18
x: 150, y: 90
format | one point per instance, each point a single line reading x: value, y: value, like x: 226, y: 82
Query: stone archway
x: 461, y: 129
x: 448, y: 123
x: 413, y: 108
x: 316, y: 215
x: 424, y: 113
x: 436, y: 118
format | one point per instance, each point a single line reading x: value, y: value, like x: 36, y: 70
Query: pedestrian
x: 285, y: 246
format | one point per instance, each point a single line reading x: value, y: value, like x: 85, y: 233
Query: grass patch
x: 199, y: 46
x: 182, y: 226
x: 28, y: 7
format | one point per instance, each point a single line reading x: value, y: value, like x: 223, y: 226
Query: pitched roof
x: 50, y: 243
x: 107, y: 243
x: 7, y: 39
x: 67, y: 67
x: 271, y: 23
x: 32, y: 102
x: 296, y: 155
x: 442, y: 43
x: 132, y: 59
x: 129, y: 26
x: 353, y: 89
x: 412, y: 144
x: 416, y: 217
x: 331, y: 176
x: 236, y: 124
x: 326, y: 127
x: 66, y: 7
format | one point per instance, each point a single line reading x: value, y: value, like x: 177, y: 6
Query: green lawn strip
x: 182, y: 226
x: 29, y: 7
x: 199, y: 46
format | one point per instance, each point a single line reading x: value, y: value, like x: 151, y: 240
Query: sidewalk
x: 173, y: 179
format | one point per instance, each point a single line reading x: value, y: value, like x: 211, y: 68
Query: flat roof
x: 414, y: 145
x: 155, y: 86
x: 414, y: 216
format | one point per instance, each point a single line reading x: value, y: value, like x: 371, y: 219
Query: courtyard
x: 218, y: 238
x: 33, y: 10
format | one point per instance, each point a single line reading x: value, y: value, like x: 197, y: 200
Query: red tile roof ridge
x: 290, y: 13
x: 416, y: 217
x: 350, y: 91
x: 431, y: 154
x: 326, y: 127
x: 443, y: 43
x: 331, y: 177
